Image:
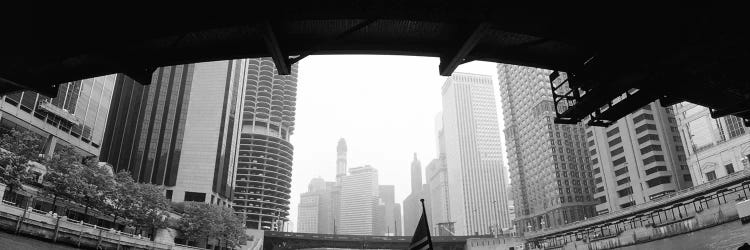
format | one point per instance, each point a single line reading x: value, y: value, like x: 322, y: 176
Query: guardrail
x: 681, y: 194
x: 45, y: 225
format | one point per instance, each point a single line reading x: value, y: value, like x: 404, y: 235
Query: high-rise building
x: 359, y: 196
x: 340, y: 160
x: 715, y: 147
x: 437, y: 187
x: 637, y: 159
x: 75, y: 118
x: 387, y: 219
x: 264, y: 169
x: 315, y: 212
x: 412, y: 205
x: 473, y: 153
x: 416, y: 175
x: 549, y: 163
x: 181, y: 131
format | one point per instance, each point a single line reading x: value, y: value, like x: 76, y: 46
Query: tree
x: 205, y: 221
x: 17, y: 148
x: 122, y: 197
x: 143, y: 204
x: 97, y: 182
x: 63, y: 178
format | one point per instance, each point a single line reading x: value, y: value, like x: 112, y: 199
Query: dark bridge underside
x: 696, y: 55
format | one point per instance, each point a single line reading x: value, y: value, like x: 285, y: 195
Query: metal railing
x: 739, y: 175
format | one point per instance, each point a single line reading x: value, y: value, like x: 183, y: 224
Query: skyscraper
x: 75, y: 118
x: 549, y: 163
x: 359, y: 196
x: 315, y: 213
x: 473, y: 154
x: 716, y: 147
x: 416, y: 175
x: 180, y: 131
x: 340, y: 160
x: 412, y: 205
x: 387, y: 223
x: 264, y: 169
x: 637, y: 159
x: 437, y: 182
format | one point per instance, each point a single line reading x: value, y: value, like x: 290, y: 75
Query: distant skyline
x: 384, y: 106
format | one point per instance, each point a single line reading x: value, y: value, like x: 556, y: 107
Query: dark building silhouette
x: 180, y: 131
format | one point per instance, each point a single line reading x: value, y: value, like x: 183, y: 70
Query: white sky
x: 384, y: 106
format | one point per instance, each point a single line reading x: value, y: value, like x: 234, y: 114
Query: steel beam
x: 280, y: 59
x: 449, y: 63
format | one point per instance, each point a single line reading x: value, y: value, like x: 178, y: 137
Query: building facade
x: 340, y: 160
x: 550, y: 170
x: 637, y: 159
x: 473, y: 154
x: 181, y: 131
x: 412, y: 205
x: 264, y: 168
x: 715, y: 147
x: 359, y: 199
x: 315, y: 213
x: 76, y: 118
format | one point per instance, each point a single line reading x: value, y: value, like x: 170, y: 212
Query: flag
x: 421, y: 239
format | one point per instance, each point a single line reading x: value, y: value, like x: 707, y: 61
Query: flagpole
x: 424, y: 212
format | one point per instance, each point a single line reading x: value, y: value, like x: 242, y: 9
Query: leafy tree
x: 17, y: 148
x: 63, y: 177
x: 204, y: 221
x: 122, y: 197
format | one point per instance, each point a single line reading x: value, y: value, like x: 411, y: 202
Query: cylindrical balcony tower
x: 264, y: 168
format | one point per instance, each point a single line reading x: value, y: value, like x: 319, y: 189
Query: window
x: 628, y: 204
x: 645, y: 127
x: 594, y: 161
x: 599, y: 189
x: 624, y: 192
x: 642, y: 117
x: 648, y: 137
x: 612, y: 132
x: 658, y: 181
x: 619, y: 161
x: 650, y: 148
x: 729, y: 168
x: 617, y: 151
x: 598, y: 180
x: 589, y: 134
x: 591, y: 143
x: 711, y: 176
x: 169, y: 195
x: 596, y: 170
x: 615, y: 141
x: 735, y: 127
x: 653, y: 158
x: 655, y: 169
x: 623, y: 181
x: 192, y: 196
x: 621, y: 171
x: 687, y: 177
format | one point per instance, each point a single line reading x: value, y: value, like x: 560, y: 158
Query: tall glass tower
x: 264, y: 168
x: 550, y: 170
x: 473, y: 155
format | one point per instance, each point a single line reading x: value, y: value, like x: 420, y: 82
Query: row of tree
x: 71, y: 177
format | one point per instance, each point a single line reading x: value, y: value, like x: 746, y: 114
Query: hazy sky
x: 384, y: 106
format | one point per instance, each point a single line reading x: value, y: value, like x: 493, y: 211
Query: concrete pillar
x: 2, y: 191
x: 165, y: 236
x: 50, y: 144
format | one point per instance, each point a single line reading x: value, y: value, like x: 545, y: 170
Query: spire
x: 416, y: 175
x: 341, y: 160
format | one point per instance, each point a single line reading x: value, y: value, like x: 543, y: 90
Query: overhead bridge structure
x: 614, y: 60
